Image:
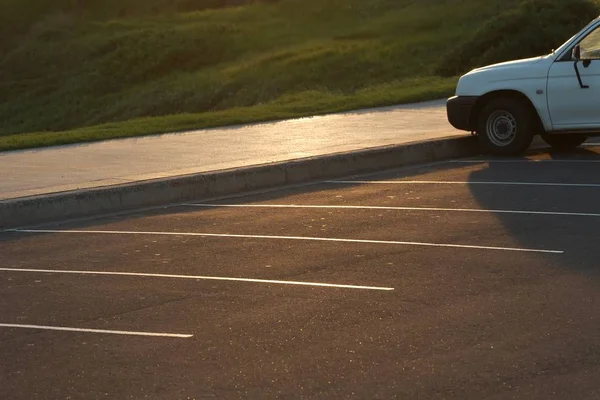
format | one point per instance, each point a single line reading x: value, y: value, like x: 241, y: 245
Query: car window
x: 590, y: 46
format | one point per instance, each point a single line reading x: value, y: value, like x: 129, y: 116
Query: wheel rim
x: 501, y: 128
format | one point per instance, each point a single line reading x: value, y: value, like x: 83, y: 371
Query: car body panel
x: 549, y: 82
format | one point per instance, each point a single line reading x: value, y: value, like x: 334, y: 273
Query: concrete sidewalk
x: 59, y: 169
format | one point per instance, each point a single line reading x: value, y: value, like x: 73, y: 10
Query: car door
x: 571, y: 106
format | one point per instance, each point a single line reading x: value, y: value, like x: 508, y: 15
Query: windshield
x: 568, y: 43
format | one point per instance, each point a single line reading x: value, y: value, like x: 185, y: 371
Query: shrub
x: 533, y: 28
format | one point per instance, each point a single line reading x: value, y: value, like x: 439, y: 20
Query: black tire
x: 564, y: 142
x: 506, y: 126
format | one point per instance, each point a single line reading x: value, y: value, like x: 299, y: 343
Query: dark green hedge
x: 534, y: 28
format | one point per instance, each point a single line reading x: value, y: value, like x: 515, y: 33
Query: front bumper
x: 460, y: 109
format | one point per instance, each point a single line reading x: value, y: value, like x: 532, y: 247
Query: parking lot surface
x: 467, y: 279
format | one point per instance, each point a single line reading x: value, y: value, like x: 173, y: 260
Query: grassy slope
x: 113, y: 69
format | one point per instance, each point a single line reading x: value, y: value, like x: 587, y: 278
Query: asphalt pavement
x: 466, y: 279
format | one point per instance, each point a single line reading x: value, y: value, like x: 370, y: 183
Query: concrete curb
x: 81, y: 203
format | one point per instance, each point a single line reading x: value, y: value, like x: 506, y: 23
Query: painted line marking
x: 527, y: 161
x: 330, y: 207
x: 588, y: 185
x: 319, y: 239
x: 199, y: 277
x: 67, y: 329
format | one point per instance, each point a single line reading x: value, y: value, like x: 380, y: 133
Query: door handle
x: 581, y: 85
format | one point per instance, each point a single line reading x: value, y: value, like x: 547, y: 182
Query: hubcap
x: 501, y: 128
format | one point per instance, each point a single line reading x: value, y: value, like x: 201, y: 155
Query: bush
x: 533, y: 28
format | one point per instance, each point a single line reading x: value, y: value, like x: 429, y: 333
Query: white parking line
x: 587, y: 185
x: 198, y: 277
x: 67, y: 329
x: 435, y: 209
x: 527, y: 161
x: 319, y: 239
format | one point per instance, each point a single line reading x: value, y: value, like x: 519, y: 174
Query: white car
x: 556, y: 96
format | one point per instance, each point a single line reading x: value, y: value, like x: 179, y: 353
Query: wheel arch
x: 486, y: 98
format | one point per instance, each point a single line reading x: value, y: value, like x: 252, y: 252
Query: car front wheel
x: 506, y: 127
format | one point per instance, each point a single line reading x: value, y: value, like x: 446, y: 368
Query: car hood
x: 526, y: 62
x: 503, y: 76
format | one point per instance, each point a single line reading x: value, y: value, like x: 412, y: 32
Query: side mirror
x: 576, y: 54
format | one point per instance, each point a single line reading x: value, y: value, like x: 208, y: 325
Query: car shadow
x: 578, y: 236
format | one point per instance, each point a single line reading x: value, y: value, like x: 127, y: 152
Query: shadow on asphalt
x: 558, y: 232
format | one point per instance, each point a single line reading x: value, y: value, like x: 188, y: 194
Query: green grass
x: 296, y: 105
x: 71, y: 72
